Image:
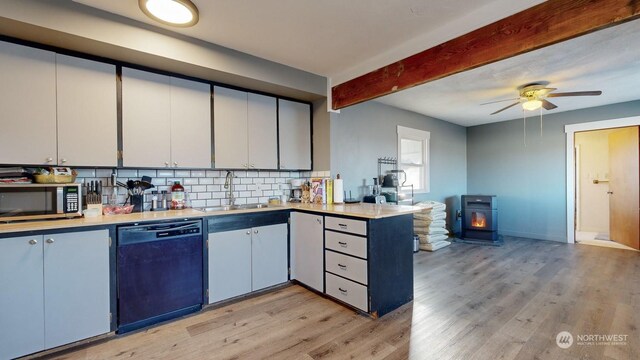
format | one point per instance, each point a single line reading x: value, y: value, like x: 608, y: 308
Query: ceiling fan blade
x: 497, y: 101
x: 548, y: 105
x: 576, y: 93
x: 505, y: 108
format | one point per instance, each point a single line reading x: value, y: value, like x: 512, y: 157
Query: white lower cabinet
x: 241, y: 261
x: 307, y: 249
x: 55, y: 290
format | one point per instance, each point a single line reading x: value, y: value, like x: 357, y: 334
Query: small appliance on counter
x: 296, y: 190
x: 374, y: 197
x: 40, y: 201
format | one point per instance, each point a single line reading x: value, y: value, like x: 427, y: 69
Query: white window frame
x: 417, y: 135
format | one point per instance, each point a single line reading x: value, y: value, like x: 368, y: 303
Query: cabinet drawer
x: 346, y: 266
x: 348, y: 244
x: 347, y: 291
x: 347, y: 225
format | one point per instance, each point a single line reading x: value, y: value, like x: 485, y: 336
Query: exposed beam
x: 545, y: 24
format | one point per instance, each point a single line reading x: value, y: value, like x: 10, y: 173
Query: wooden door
x: 76, y: 286
x: 262, y: 132
x: 294, y: 120
x: 230, y: 128
x: 307, y: 248
x: 229, y: 264
x: 269, y: 256
x: 21, y: 296
x: 146, y: 119
x: 87, y: 112
x: 190, y: 124
x: 624, y: 197
x: 28, y: 103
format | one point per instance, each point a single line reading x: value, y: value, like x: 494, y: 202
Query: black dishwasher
x: 159, y: 272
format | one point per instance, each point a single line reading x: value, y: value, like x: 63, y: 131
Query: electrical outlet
x: 458, y: 214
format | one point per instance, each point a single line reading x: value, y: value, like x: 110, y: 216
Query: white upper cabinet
x: 166, y: 122
x: 146, y: 119
x: 295, y: 135
x: 245, y: 130
x: 86, y: 112
x: 230, y: 128
x: 28, y: 103
x: 190, y: 124
x: 262, y: 131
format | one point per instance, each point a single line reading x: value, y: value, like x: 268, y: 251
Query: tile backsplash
x: 204, y: 188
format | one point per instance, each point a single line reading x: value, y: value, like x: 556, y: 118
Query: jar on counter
x: 178, y: 198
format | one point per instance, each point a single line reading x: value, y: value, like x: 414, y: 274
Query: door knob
x: 50, y: 241
x: 33, y: 242
x: 610, y: 192
x: 175, y: 163
x: 255, y: 231
x: 248, y: 232
x: 49, y: 159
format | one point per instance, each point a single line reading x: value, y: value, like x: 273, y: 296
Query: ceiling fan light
x: 181, y: 13
x: 531, y: 105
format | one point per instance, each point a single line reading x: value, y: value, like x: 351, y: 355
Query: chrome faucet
x: 228, y: 184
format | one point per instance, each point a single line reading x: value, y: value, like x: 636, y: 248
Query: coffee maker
x: 374, y: 197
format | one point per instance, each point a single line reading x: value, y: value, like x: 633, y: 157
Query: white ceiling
x: 343, y: 39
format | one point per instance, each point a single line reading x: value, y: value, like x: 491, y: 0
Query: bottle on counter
x: 177, y: 196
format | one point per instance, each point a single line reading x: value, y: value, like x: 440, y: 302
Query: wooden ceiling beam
x: 548, y: 23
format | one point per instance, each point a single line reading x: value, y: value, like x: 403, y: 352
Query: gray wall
x: 362, y: 133
x: 530, y: 181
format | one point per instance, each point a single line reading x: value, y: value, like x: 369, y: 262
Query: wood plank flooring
x: 471, y: 302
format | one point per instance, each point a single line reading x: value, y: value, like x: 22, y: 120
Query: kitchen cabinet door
x: 269, y: 256
x: 295, y: 135
x: 307, y: 265
x: 28, y: 103
x: 230, y: 128
x: 146, y: 119
x: 86, y: 112
x: 76, y: 286
x: 190, y: 124
x: 21, y: 296
x: 262, y: 134
x: 229, y: 264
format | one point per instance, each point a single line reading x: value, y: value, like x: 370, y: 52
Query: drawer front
x: 358, y: 227
x: 346, y: 266
x: 348, y: 244
x: 347, y: 291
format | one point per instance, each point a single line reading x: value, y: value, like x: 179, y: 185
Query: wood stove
x: 480, y: 218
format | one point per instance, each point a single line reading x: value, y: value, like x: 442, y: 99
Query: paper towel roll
x: 338, y: 191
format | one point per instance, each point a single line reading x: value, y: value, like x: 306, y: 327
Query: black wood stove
x: 480, y: 218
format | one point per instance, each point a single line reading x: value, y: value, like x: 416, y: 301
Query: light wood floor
x: 471, y: 302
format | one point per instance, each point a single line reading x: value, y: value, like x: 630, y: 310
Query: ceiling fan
x: 534, y: 95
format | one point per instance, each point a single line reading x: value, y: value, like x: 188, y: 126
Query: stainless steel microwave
x: 40, y: 201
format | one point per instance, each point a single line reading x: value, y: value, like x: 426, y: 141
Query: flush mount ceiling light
x: 181, y: 13
x: 533, y: 104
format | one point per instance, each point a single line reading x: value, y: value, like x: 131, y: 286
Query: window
x: 413, y: 157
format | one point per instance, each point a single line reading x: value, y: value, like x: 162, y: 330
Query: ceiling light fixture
x: 532, y: 104
x: 181, y: 13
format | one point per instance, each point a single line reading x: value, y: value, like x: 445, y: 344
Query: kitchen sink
x: 233, y: 207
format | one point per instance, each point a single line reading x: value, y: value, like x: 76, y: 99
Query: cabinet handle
x: 255, y: 231
x: 248, y: 232
x: 166, y: 163
x: 319, y: 221
x: 50, y: 241
x: 343, y: 267
x: 253, y: 166
x: 63, y: 160
x: 343, y: 290
x: 344, y: 226
x: 49, y: 159
x: 175, y: 163
x: 33, y: 242
x: 343, y: 244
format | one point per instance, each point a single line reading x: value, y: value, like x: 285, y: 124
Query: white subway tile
x: 281, y: 181
x: 198, y: 173
x: 245, y: 194
x: 252, y: 187
x: 199, y: 203
x: 213, y: 202
x: 245, y: 181
x: 263, y: 174
x: 218, y: 181
x: 253, y: 200
x: 165, y: 173
x: 204, y: 180
x: 239, y: 173
x: 204, y: 195
x: 213, y: 174
x: 263, y: 200
x: 191, y: 181
x: 86, y: 173
x: 241, y: 201
x: 199, y: 188
x: 105, y: 173
x: 182, y: 173
x: 151, y: 173
x: 127, y: 173
x: 172, y: 180
x: 159, y: 181
x: 241, y: 187
x: 218, y: 195
x: 269, y: 181
x: 252, y: 174
x: 267, y: 193
x: 257, y: 193
x: 258, y: 180
x: 214, y: 188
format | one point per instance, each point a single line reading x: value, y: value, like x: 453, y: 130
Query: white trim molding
x: 570, y: 130
x: 418, y: 135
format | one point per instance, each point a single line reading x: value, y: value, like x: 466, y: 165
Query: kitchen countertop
x: 362, y: 210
